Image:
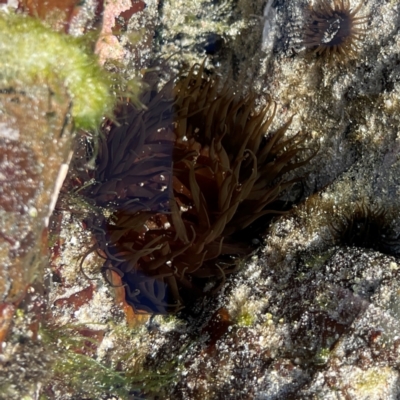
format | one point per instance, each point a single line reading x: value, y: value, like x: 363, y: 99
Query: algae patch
x: 32, y: 54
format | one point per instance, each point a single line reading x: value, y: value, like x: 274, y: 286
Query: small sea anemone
x: 184, y: 175
x: 366, y: 226
x: 333, y: 28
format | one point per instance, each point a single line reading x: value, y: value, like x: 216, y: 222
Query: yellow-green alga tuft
x: 33, y: 54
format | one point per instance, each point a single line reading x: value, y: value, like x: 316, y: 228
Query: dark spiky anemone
x: 333, y: 30
x: 366, y: 226
x: 185, y: 174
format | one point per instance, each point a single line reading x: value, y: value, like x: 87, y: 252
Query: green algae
x: 370, y: 381
x: 33, y: 54
x: 80, y: 372
x: 246, y: 319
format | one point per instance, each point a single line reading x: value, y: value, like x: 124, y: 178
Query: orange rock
x: 78, y: 299
x: 57, y: 13
x: 6, y: 315
x: 33, y: 147
x: 132, y: 318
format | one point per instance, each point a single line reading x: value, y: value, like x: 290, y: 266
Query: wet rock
x: 35, y: 139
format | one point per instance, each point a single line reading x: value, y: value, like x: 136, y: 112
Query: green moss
x: 34, y: 54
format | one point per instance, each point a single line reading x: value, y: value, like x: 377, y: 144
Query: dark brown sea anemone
x: 368, y: 227
x: 184, y: 175
x: 333, y: 30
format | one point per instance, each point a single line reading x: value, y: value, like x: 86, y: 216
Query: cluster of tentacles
x: 368, y: 226
x: 333, y: 29
x: 184, y: 175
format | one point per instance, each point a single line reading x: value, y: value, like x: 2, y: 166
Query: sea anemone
x: 333, y: 29
x: 184, y: 175
x: 368, y: 227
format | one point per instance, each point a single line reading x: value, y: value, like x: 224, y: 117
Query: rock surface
x: 308, y: 316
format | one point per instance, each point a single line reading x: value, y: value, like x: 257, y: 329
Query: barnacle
x: 185, y: 174
x: 333, y: 29
x: 366, y: 226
